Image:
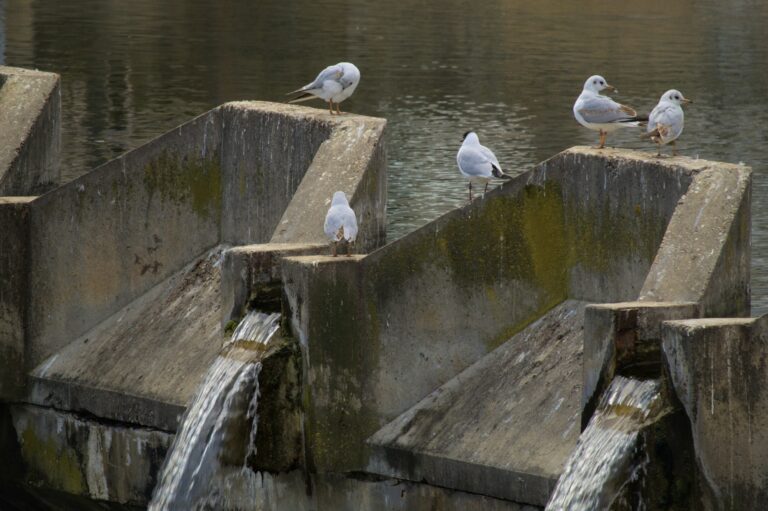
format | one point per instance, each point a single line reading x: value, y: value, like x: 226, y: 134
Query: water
x: 509, y: 69
x: 602, y: 461
x: 226, y: 399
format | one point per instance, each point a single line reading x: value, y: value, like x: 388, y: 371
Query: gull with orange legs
x: 601, y: 113
x: 334, y: 84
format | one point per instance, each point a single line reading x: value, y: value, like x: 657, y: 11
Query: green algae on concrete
x: 181, y: 178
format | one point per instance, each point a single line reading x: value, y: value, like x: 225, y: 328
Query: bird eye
x: 595, y: 82
x: 602, y: 82
x: 677, y: 97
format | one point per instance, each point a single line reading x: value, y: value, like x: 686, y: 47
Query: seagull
x: 478, y: 163
x: 340, y: 222
x: 601, y: 113
x: 334, y: 84
x: 666, y: 121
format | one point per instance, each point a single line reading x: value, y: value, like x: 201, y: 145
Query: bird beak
x: 686, y: 100
x: 611, y: 88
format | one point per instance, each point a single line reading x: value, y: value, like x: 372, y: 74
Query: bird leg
x: 349, y: 243
x: 603, y: 134
x: 338, y: 109
x: 333, y: 248
x: 658, y: 154
x: 486, y: 190
x: 674, y: 148
x: 330, y: 106
x: 470, y: 191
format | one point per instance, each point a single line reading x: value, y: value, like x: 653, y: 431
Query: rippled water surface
x: 507, y: 69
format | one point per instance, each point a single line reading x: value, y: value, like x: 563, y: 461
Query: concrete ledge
x: 84, y: 457
x: 30, y: 131
x: 251, y: 276
x: 352, y: 160
x: 718, y: 370
x: 624, y: 338
x: 705, y: 254
x: 505, y: 426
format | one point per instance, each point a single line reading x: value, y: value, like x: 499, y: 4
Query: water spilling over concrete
x: 601, y: 463
x: 228, y: 396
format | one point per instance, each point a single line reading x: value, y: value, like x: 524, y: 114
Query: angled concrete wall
x: 30, y: 131
x: 717, y: 368
x: 383, y: 331
x: 226, y: 176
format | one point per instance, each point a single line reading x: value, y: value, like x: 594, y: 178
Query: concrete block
x: 717, y: 368
x: 143, y: 364
x: 251, y: 277
x: 705, y: 255
x: 30, y: 131
x: 352, y: 160
x: 267, y: 149
x: 505, y: 426
x: 84, y: 457
x: 14, y: 294
x: 623, y: 338
x: 103, y: 240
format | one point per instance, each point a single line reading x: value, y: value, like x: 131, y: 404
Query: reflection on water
x: 509, y: 69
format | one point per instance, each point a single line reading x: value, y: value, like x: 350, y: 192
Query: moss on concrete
x: 181, y: 178
x: 61, y: 465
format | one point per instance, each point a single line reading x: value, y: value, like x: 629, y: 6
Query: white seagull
x: 340, y: 222
x: 667, y: 119
x: 478, y: 163
x: 601, y: 113
x: 334, y: 84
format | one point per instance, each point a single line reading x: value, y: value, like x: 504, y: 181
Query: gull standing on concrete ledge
x: 478, y: 163
x: 666, y: 121
x: 340, y: 222
x: 334, y: 84
x: 601, y: 113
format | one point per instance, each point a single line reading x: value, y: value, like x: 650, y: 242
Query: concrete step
x: 505, y: 426
x: 143, y: 364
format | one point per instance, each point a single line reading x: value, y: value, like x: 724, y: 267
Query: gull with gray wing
x: 665, y: 124
x: 478, y: 163
x: 334, y: 84
x: 340, y: 222
x: 602, y: 114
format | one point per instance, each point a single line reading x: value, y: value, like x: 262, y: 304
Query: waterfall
x: 226, y: 399
x: 601, y: 463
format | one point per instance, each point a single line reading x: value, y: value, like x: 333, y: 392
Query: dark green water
x: 507, y: 69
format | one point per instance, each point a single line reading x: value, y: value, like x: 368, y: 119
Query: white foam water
x: 601, y: 463
x: 228, y: 395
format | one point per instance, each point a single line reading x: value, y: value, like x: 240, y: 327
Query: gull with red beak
x: 601, y: 113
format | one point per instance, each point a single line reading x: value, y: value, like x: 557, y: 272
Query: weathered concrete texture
x: 251, y: 276
x: 705, y: 255
x: 264, y: 491
x: 143, y: 364
x: 505, y: 426
x: 352, y: 160
x: 718, y: 369
x: 103, y: 240
x: 616, y: 205
x: 267, y: 149
x: 624, y: 338
x: 14, y: 253
x: 30, y: 131
x: 384, y: 332
x: 88, y: 458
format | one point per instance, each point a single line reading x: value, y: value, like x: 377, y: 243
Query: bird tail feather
x: 303, y: 97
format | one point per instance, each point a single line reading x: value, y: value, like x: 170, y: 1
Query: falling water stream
x: 228, y: 396
x: 602, y: 462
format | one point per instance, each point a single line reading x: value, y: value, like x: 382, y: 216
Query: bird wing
x: 603, y: 110
x: 473, y: 161
x: 491, y: 157
x: 329, y: 73
x: 340, y: 222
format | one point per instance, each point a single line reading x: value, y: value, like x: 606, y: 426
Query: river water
x: 509, y: 69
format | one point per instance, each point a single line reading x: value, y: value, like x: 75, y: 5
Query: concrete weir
x: 451, y: 369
